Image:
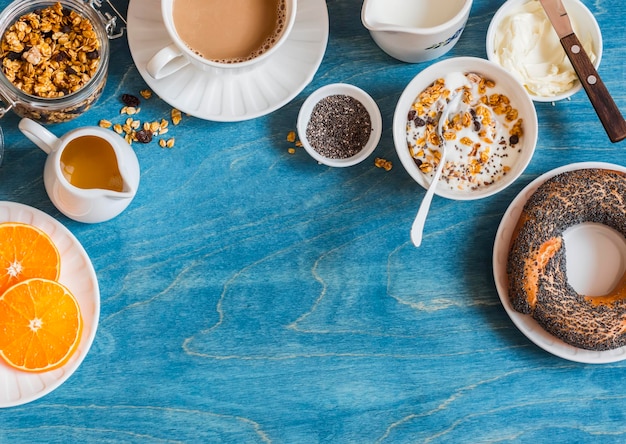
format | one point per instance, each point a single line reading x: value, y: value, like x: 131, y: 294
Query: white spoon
x: 417, y: 228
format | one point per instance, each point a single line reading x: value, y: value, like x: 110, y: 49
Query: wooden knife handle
x: 608, y: 112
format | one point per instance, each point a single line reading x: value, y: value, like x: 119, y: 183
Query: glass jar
x: 71, y: 105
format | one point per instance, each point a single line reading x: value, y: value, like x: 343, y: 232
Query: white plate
x: 79, y: 276
x: 525, y: 323
x: 240, y: 96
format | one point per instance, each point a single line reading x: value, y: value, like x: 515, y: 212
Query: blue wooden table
x: 252, y: 295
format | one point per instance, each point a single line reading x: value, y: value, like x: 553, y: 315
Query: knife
x: 606, y: 109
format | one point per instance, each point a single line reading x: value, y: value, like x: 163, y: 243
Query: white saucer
x: 79, y: 276
x: 525, y: 323
x: 240, y: 96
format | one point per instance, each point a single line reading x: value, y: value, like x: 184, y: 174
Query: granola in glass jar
x: 54, y: 58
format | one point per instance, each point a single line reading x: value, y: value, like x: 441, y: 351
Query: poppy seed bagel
x: 536, y: 266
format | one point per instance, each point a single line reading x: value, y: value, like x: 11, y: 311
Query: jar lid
x: 109, y: 16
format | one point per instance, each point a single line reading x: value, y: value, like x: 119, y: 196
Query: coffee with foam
x: 231, y: 31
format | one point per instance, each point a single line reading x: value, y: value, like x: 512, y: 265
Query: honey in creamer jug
x: 89, y: 162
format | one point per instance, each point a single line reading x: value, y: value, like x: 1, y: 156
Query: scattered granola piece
x: 129, y: 110
x: 291, y: 136
x: 383, y: 163
x: 176, y: 116
x: 145, y: 93
x: 105, y: 123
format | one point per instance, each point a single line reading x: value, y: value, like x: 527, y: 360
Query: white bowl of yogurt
x: 520, y: 38
x: 491, y: 136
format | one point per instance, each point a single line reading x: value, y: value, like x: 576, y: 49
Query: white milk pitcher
x: 415, y: 30
x: 91, y: 173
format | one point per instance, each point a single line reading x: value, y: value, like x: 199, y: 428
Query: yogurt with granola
x: 482, y: 135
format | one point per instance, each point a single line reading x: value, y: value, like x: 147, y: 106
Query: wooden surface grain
x: 250, y: 295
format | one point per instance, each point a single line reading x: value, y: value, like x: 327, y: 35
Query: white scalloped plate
x: 79, y: 276
x: 525, y: 323
x: 236, y: 96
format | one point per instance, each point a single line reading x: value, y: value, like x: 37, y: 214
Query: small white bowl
x: 505, y: 83
x: 340, y: 89
x: 584, y: 23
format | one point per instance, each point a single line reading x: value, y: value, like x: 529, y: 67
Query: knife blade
x: 599, y: 96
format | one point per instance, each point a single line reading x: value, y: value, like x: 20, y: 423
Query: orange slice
x: 26, y: 252
x: 40, y: 325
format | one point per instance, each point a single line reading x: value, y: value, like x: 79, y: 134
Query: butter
x: 527, y: 46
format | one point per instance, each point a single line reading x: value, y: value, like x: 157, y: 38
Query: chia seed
x: 339, y: 127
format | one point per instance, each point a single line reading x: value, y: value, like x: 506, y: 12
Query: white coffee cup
x: 415, y: 30
x: 178, y: 54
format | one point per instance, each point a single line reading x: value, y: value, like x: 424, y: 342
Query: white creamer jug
x: 415, y: 30
x: 91, y: 173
